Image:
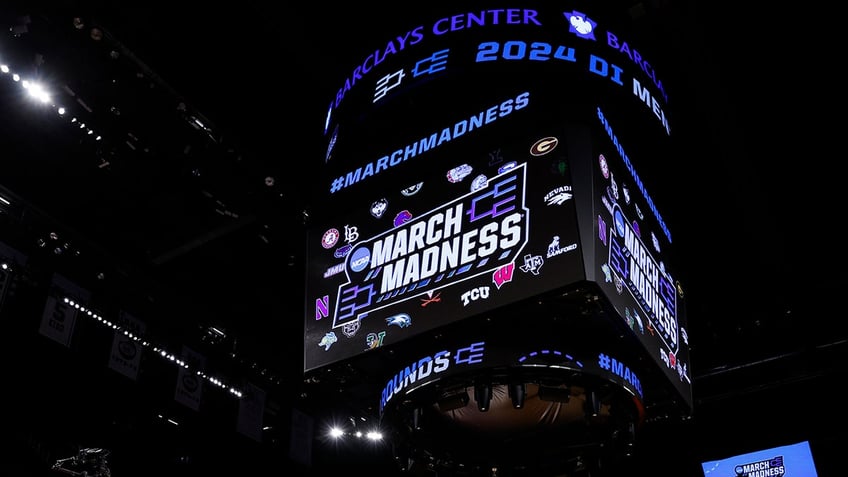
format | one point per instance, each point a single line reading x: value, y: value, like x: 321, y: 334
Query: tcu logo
x: 474, y: 295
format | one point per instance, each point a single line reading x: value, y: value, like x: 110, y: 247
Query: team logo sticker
x: 402, y: 217
x: 558, y: 195
x: 328, y: 340
x: 507, y: 167
x: 458, y: 173
x: 412, y: 190
x: 379, y: 207
x: 602, y: 161
x: 401, y: 320
x: 544, y: 146
x: 479, y: 182
x: 330, y: 238
x: 580, y: 25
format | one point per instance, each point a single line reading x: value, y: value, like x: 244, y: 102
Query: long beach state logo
x: 476, y: 234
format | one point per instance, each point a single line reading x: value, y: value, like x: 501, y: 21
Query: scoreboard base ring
x: 514, y: 421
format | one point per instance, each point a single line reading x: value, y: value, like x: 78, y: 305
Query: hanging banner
x: 5, y: 284
x: 125, y: 356
x: 302, y: 434
x: 11, y: 261
x: 189, y: 390
x: 59, y: 317
x: 251, y: 412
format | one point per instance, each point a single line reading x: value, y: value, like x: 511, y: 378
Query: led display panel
x: 788, y: 460
x: 632, y: 259
x: 485, y: 157
x: 465, y: 241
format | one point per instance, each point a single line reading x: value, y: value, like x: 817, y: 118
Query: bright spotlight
x: 4, y: 68
x: 37, y: 91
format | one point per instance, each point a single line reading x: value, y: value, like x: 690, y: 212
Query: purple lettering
x: 636, y: 57
x: 409, y: 38
x: 512, y: 16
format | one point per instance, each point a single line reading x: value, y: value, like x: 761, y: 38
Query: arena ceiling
x: 191, y: 206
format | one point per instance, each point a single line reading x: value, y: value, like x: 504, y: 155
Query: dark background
x: 182, y: 228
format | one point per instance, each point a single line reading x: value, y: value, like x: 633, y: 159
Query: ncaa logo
x: 359, y: 259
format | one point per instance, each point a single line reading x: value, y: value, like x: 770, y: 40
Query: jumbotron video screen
x: 483, y: 158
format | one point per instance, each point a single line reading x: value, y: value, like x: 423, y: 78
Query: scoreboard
x: 484, y: 157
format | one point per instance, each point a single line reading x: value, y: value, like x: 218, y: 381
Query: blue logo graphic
x: 580, y: 25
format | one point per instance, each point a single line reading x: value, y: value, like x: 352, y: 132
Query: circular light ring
x: 443, y: 421
x: 495, y: 356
